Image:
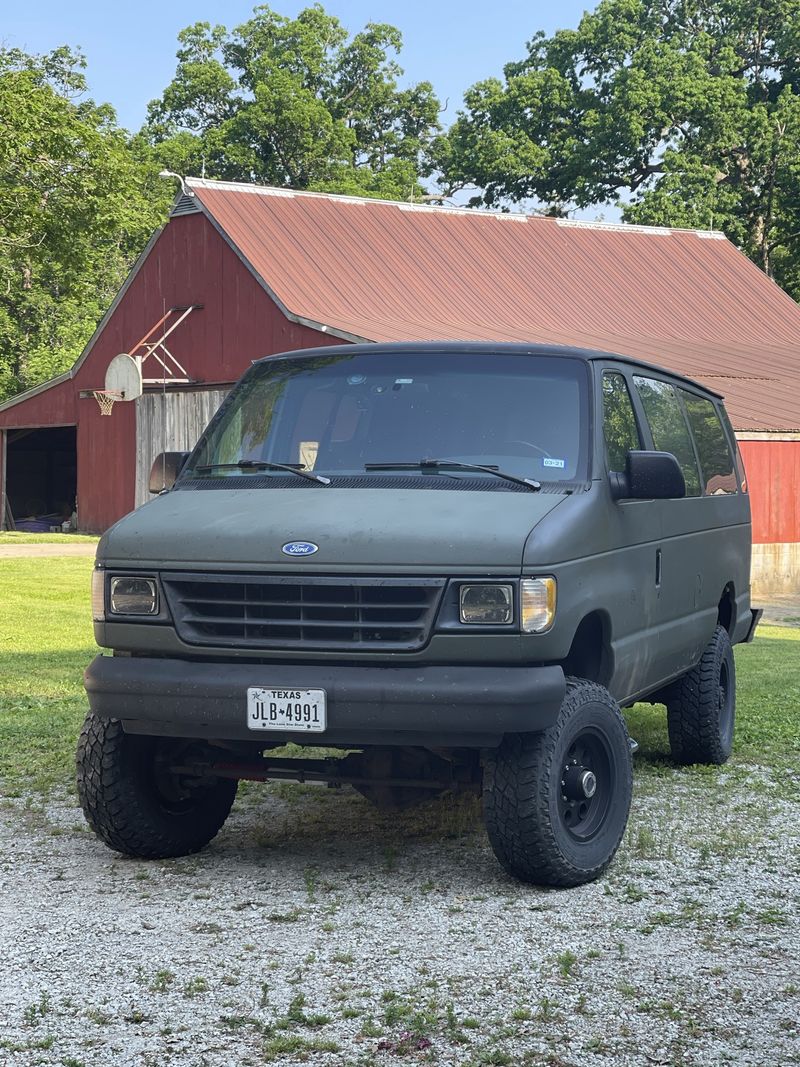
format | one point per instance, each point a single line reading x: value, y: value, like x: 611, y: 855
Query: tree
x: 76, y: 207
x: 297, y: 103
x: 683, y: 112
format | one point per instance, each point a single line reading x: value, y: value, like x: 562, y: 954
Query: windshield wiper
x: 453, y: 465
x: 262, y: 465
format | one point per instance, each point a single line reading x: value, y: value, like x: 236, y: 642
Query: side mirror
x: 165, y: 470
x: 649, y: 476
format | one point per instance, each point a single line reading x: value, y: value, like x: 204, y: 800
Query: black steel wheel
x: 135, y: 802
x: 556, y: 803
x: 701, y: 706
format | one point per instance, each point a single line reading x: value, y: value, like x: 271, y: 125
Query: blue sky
x: 130, y: 47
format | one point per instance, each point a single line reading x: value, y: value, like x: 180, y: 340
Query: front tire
x: 135, y: 804
x: 701, y: 706
x: 556, y: 803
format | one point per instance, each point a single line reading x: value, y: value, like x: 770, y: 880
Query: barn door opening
x: 41, y: 476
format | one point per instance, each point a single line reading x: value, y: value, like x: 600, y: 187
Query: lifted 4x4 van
x: 457, y: 562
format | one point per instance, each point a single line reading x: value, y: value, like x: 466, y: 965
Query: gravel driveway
x: 315, y: 929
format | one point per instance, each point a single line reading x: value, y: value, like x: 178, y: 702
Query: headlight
x: 538, y: 604
x: 134, y: 596
x: 488, y: 605
x: 98, y: 595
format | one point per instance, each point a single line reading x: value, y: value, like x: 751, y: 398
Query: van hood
x: 356, y: 529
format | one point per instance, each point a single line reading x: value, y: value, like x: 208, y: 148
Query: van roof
x: 490, y: 348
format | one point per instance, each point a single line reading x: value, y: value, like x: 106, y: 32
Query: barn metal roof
x: 373, y: 270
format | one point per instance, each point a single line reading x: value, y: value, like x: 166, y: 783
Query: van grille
x: 247, y: 611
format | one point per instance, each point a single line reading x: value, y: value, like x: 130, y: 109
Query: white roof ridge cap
x: 633, y: 227
x: 403, y: 205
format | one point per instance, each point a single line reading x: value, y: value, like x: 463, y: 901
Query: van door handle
x: 658, y: 568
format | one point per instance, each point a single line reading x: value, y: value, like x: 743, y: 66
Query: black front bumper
x: 433, y: 706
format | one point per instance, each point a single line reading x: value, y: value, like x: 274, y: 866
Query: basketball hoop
x: 106, y: 398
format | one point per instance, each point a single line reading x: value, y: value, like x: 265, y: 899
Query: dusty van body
x: 460, y: 560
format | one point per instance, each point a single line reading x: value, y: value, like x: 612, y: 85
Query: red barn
x: 242, y: 271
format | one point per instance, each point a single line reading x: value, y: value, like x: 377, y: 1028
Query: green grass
x: 46, y: 642
x: 767, y: 708
x: 18, y: 537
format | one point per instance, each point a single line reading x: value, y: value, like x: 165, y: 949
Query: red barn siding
x: 106, y: 465
x: 52, y: 407
x: 773, y: 475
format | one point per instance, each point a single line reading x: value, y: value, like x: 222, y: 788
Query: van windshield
x: 335, y: 415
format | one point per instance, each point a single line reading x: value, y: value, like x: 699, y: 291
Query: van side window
x: 668, y: 426
x: 726, y: 422
x: 716, y: 461
x: 619, y: 421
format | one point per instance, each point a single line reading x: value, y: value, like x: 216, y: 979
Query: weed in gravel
x: 99, y: 1017
x: 293, y: 1045
x: 310, y: 878
x: 772, y: 917
x: 34, y: 1013
x: 566, y: 963
x: 206, y: 928
x: 404, y: 1044
x: 239, y: 1022
x: 135, y: 1015
x: 161, y: 982
x: 547, y: 1011
x: 632, y: 894
x: 37, y: 1044
x: 597, y: 1045
x: 296, y: 1015
x: 195, y: 986
x: 521, y: 1015
x: 369, y: 1028
x: 285, y: 916
x: 491, y: 1057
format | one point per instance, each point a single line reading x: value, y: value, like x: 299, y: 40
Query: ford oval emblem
x: 299, y: 548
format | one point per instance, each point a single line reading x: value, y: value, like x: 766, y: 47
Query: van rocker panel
x: 422, y: 705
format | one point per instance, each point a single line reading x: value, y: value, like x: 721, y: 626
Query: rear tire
x: 701, y: 706
x: 135, y: 804
x: 542, y: 825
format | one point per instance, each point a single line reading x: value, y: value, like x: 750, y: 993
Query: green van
x: 455, y: 562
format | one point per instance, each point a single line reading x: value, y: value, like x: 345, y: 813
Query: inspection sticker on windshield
x: 297, y: 710
x: 548, y: 461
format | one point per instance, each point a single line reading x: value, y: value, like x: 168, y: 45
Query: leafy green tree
x: 295, y: 102
x: 683, y: 112
x: 76, y: 206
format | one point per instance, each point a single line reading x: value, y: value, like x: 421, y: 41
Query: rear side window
x: 619, y: 421
x: 716, y: 461
x: 726, y: 422
x: 668, y: 427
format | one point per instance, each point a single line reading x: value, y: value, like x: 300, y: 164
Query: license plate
x: 298, y: 710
